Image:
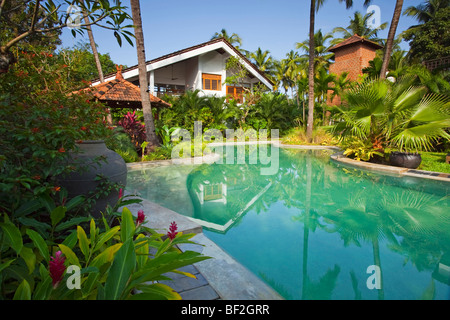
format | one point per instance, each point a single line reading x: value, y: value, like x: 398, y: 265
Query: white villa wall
x: 212, y: 63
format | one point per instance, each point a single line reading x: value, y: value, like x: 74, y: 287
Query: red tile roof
x: 122, y: 93
x: 355, y: 39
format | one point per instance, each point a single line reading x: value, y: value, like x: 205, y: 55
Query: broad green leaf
x: 70, y: 255
x: 29, y: 257
x: 83, y: 242
x: 104, y: 237
x: 187, y: 274
x: 74, y: 202
x: 106, y: 256
x: 6, y: 264
x: 39, y: 243
x: 23, y: 292
x: 127, y: 226
x: 13, y: 235
x: 93, y: 232
x: 120, y: 272
x: 57, y: 215
x: 157, y: 291
x: 43, y: 289
x: 142, y: 252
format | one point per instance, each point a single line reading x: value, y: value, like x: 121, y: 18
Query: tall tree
x: 312, y: 14
x: 143, y: 80
x: 359, y: 25
x: 390, y: 39
x: 45, y: 17
x: 233, y: 39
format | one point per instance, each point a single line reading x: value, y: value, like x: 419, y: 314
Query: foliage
x: 28, y: 20
x: 320, y: 137
x: 396, y: 115
x: 39, y: 124
x: 434, y: 161
x: 134, y: 128
x: 80, y: 63
x: 430, y: 40
x: 113, y: 261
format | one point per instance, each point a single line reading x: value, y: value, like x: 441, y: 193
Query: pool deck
x: 222, y: 277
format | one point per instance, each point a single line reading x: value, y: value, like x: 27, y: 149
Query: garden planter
x: 405, y: 159
x: 95, y: 160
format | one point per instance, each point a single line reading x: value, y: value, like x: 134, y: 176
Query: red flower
x: 61, y: 150
x: 172, y: 231
x: 120, y: 193
x: 83, y: 128
x: 140, y: 219
x: 57, y: 268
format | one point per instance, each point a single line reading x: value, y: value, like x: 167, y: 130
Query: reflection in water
x: 312, y: 230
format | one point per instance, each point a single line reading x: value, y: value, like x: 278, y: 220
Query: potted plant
x: 95, y: 171
x: 395, y: 115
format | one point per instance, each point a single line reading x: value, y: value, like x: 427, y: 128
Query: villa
x: 200, y: 67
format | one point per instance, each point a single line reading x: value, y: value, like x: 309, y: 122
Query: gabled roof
x: 355, y: 39
x: 122, y: 93
x: 220, y: 44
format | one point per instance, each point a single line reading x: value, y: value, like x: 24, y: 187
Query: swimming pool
x: 316, y: 229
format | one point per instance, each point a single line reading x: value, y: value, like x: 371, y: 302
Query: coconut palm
x: 150, y: 132
x: 233, y: 39
x: 323, y: 83
x: 397, y: 115
x: 314, y: 7
x: 322, y: 47
x: 391, y: 37
x: 262, y: 60
x: 426, y: 11
x: 359, y: 25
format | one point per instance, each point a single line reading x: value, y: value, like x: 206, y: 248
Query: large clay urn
x: 405, y: 159
x: 93, y: 160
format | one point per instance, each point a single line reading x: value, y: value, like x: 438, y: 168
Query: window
x: 212, y: 82
x: 235, y: 93
x: 212, y: 192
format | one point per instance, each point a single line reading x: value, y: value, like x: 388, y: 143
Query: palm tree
x: 397, y: 115
x: 312, y: 15
x: 233, y: 39
x: 323, y: 84
x: 359, y: 25
x: 390, y: 39
x: 322, y: 52
x: 150, y: 133
x: 262, y: 60
x: 426, y: 11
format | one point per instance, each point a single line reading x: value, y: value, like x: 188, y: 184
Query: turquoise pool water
x: 317, y: 229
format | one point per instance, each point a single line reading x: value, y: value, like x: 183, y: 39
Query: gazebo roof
x: 355, y: 39
x: 120, y: 93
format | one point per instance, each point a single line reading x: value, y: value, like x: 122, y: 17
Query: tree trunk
x: 309, y: 126
x: 97, y: 60
x: 143, y: 80
x: 390, y: 39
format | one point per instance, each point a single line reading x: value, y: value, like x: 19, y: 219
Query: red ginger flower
x: 57, y: 268
x: 172, y: 231
x: 140, y: 219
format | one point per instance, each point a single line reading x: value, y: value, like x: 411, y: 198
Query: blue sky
x: 274, y: 25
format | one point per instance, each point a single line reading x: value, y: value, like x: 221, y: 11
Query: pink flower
x: 57, y: 268
x: 140, y: 219
x: 172, y: 231
x: 120, y: 193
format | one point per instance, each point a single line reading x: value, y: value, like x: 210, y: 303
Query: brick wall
x: 352, y: 59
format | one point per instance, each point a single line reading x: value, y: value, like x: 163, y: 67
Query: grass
x: 434, y: 161
x: 298, y: 136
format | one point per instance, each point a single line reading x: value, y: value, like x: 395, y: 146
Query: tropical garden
x: 397, y: 105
